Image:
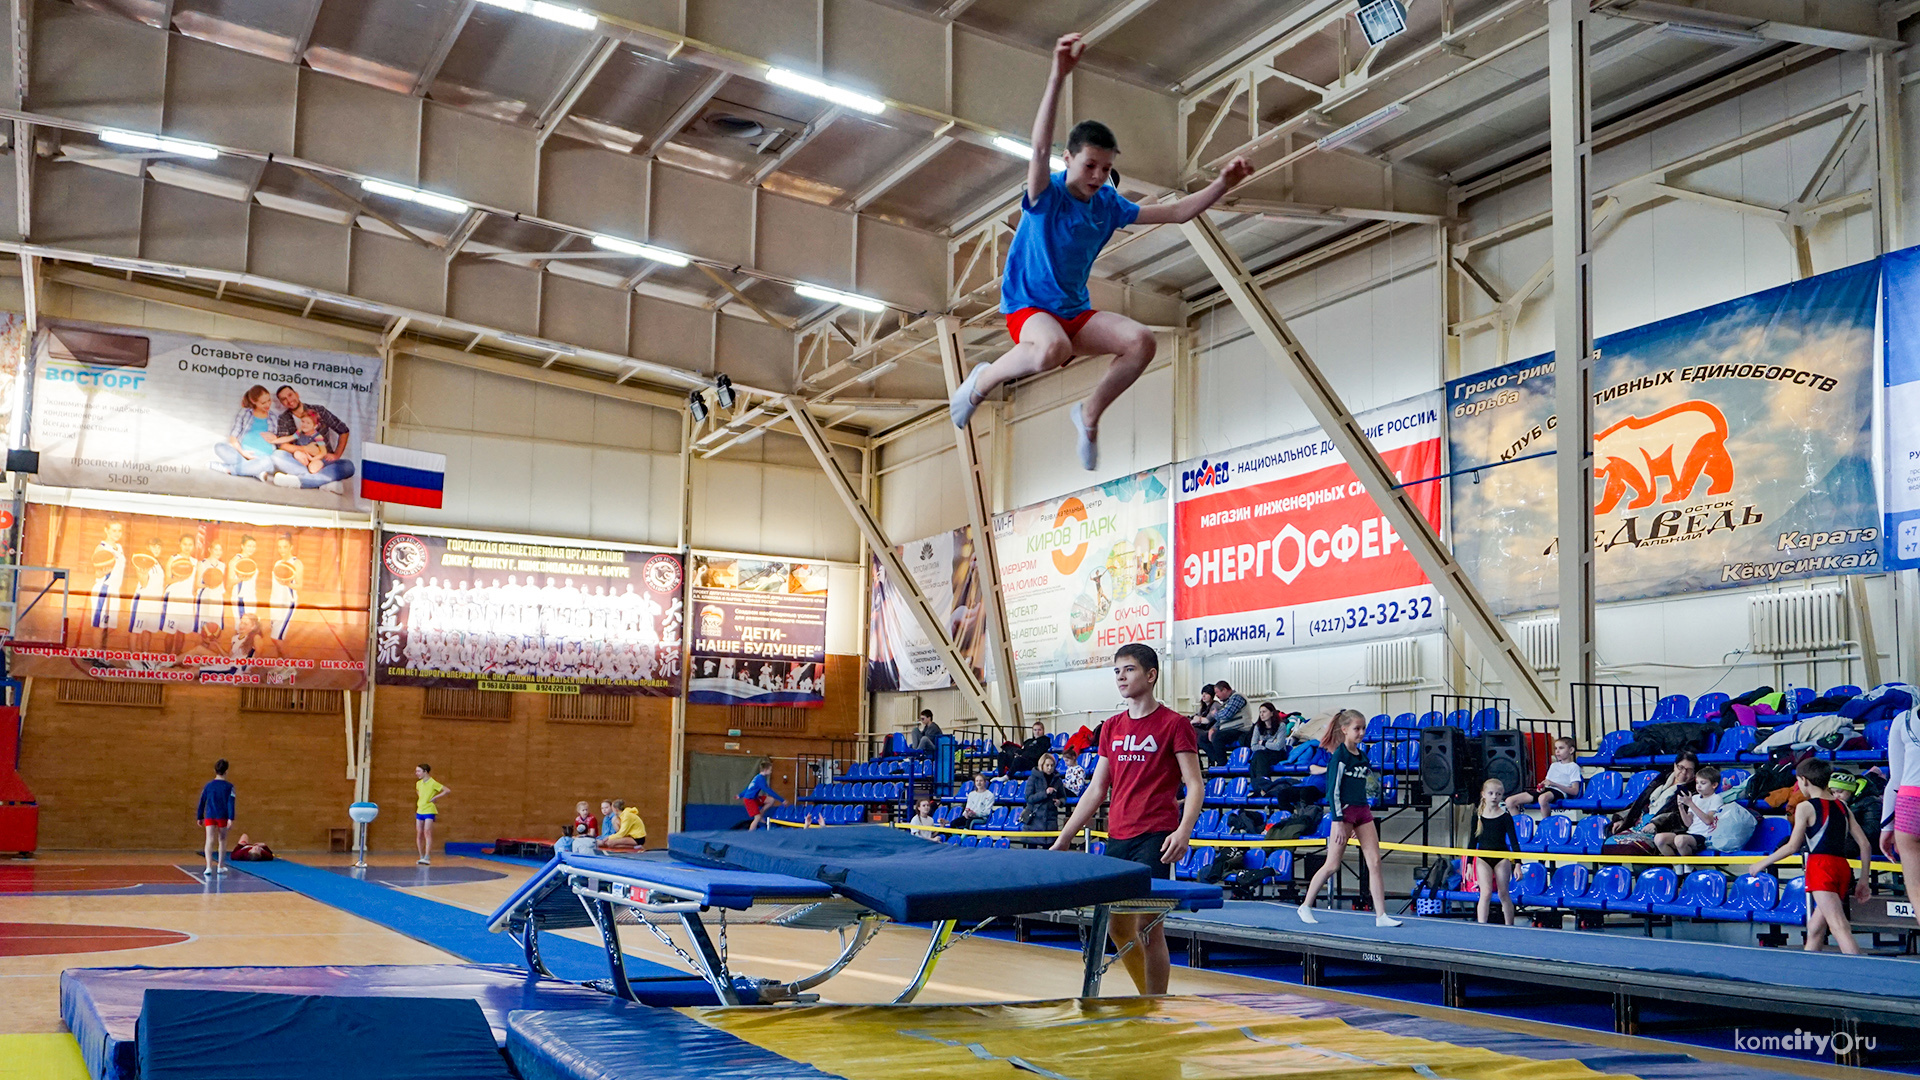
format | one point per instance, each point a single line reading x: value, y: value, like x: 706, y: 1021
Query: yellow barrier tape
x: 1417, y: 849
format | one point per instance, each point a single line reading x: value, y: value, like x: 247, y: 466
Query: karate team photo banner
x: 1278, y: 544
x: 514, y: 616
x: 760, y: 632
x: 1732, y: 446
x: 166, y: 599
x: 121, y: 409
x: 1086, y: 573
x: 899, y: 656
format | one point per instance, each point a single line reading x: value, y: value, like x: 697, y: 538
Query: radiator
x: 1249, y: 676
x: 1393, y: 663
x: 1036, y: 696
x: 1798, y: 621
x: 1539, y: 641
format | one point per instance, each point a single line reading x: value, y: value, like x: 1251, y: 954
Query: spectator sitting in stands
x: 979, y: 804
x: 923, y: 822
x: 1699, y: 812
x: 925, y: 736
x: 1563, y: 782
x: 1655, y: 815
x: 1202, y: 721
x: 1230, y: 724
x: 1268, y: 741
x: 1029, y: 753
x: 1046, y: 795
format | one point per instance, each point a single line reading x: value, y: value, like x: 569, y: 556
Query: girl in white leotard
x: 1900, y: 813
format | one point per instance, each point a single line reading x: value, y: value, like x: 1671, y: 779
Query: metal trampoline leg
x: 616, y: 961
x: 1626, y: 1014
x: 942, y: 933
x: 717, y: 973
x: 530, y: 942
x: 1095, y: 954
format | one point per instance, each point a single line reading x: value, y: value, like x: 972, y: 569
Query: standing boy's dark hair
x: 220, y: 767
x: 424, y: 767
x: 1814, y: 771
x: 1143, y: 654
x: 766, y: 764
x: 1091, y: 133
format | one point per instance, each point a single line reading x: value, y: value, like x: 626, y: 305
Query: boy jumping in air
x: 1065, y: 219
x: 1146, y: 753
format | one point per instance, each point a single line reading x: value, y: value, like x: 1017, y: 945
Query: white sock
x: 1306, y: 913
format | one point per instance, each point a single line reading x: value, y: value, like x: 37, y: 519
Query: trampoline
x: 848, y: 881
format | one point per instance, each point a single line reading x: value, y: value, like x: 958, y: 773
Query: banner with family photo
x: 1900, y: 409
x: 1732, y: 446
x: 1086, y: 573
x: 183, y: 600
x: 122, y: 409
x: 759, y: 632
x: 1280, y: 545
x: 899, y: 656
x: 516, y: 616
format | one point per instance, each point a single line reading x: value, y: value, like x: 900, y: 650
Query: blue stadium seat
x: 1591, y: 834
x: 1485, y: 720
x: 1702, y: 891
x: 1597, y: 792
x: 1556, y: 834
x: 1756, y: 894
x: 1672, y: 707
x: 1568, y: 884
x: 1728, y: 909
x: 1610, y: 744
x: 1877, y: 733
x: 1529, y: 884
x: 1429, y: 719
x: 1611, y: 885
x: 1733, y: 778
x: 1217, y: 790
x: 1655, y: 885
x: 1846, y: 690
x: 1238, y: 760
x: 1732, y: 743
x: 1376, y: 728
x: 1798, y: 696
x: 1791, y: 908
x: 1638, y: 783
x: 1404, y: 720
x: 1769, y: 833
x: 1528, y: 830
x: 1459, y: 718
x: 1240, y: 791
x: 1323, y: 830
x: 1708, y: 707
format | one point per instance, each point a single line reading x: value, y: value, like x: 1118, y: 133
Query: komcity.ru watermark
x: 1839, y: 1044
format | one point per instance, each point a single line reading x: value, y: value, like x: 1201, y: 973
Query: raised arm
x: 1185, y: 210
x: 1066, y: 55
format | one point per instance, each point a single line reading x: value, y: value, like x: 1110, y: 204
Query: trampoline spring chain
x: 1122, y: 950
x: 723, y: 940
x: 959, y: 937
x: 686, y: 957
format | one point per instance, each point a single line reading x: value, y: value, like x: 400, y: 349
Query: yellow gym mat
x: 41, y: 1057
x: 1167, y: 1038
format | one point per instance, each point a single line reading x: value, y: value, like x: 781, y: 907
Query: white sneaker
x: 220, y: 467
x: 338, y: 487
x: 286, y: 480
x: 222, y: 870
x: 420, y: 862
x: 961, y: 405
x: 1306, y: 913
x: 1089, y: 447
x: 1385, y: 920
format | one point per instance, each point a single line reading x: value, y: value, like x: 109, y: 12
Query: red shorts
x: 1829, y: 873
x: 216, y: 822
x: 754, y: 806
x: 1018, y: 319
x: 1356, y: 815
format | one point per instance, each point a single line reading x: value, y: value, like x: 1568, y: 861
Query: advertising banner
x: 1732, y: 446
x: 1900, y: 410
x: 148, y: 410
x: 899, y: 656
x: 181, y: 600
x: 1086, y: 573
x: 1280, y: 545
x: 760, y: 632
x: 514, y: 616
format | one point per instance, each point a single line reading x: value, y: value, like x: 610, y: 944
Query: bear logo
x: 1682, y: 444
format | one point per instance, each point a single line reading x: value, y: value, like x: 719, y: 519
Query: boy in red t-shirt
x: 1146, y: 753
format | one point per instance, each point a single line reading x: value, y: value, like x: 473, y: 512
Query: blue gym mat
x: 1785, y: 968
x: 464, y: 933
x: 416, y: 877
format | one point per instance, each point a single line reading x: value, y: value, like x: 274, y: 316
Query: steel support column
x: 986, y: 554
x: 1572, y: 201
x: 931, y: 624
x: 1447, y: 575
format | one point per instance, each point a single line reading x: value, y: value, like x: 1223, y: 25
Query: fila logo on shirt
x: 1137, y: 743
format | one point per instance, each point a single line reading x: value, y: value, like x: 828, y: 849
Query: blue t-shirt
x: 1054, y: 248
x: 216, y: 801
x: 759, y: 789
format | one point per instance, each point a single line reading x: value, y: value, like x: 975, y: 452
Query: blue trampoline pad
x: 627, y: 1041
x: 224, y: 1035
x: 909, y: 879
x: 101, y: 1006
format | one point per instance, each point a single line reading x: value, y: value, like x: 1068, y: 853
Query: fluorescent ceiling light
x: 875, y: 371
x: 1361, y: 126
x: 560, y: 13
x: 1716, y: 34
x: 793, y: 80
x: 160, y: 269
x: 535, y: 343
x: 835, y: 296
x: 143, y: 141
x: 415, y: 195
x: 1024, y: 152
x: 1381, y: 20
x: 645, y: 251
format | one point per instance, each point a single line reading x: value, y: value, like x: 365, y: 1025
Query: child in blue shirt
x: 215, y: 811
x: 756, y: 795
x: 1065, y: 219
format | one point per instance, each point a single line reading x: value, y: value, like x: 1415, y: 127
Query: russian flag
x: 397, y: 474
